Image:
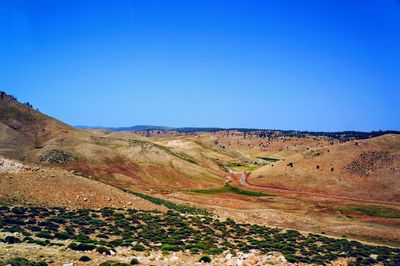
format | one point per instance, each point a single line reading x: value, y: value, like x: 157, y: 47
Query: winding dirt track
x: 243, y: 180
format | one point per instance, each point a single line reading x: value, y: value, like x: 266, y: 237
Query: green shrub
x: 55, y: 244
x: 104, y: 236
x: 25, y: 262
x: 13, y: 220
x: 26, y: 233
x: 84, y: 239
x: 12, y: 240
x: 73, y: 246
x: 62, y: 235
x: 34, y: 228
x: 40, y: 242
x: 14, y: 229
x: 205, y: 259
x: 28, y: 239
x: 214, y: 251
x: 134, y: 261
x: 18, y: 210
x: 103, y: 250
x: 116, y: 242
x: 290, y: 258
x: 113, y: 263
x: 85, y: 258
x: 168, y: 247
x: 45, y: 234
x: 138, y: 248
x: 81, y: 246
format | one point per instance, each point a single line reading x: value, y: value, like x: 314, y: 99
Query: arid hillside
x: 365, y: 169
x: 23, y: 129
x: 120, y: 159
x: 22, y: 183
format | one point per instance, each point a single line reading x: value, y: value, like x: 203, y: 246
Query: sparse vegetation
x: 247, y: 192
x: 19, y: 261
x: 170, y: 205
x: 228, y: 188
x: 376, y: 211
x: 185, y: 157
x: 192, y: 232
x: 242, y: 167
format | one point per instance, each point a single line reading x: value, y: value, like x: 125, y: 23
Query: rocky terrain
x: 123, y: 255
x: 57, y: 157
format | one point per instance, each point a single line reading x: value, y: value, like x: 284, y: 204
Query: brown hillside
x: 119, y: 159
x: 368, y: 169
x: 34, y: 184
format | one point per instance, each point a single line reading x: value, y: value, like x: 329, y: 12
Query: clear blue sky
x: 306, y: 65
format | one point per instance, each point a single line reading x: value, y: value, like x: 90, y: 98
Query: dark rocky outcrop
x: 57, y: 156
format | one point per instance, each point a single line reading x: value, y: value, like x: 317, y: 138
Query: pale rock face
x: 10, y: 166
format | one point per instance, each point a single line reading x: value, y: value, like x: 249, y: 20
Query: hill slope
x: 30, y: 136
x: 32, y: 184
x: 368, y: 169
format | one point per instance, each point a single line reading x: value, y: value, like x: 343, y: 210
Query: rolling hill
x: 342, y: 184
x: 365, y: 169
x: 118, y: 159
